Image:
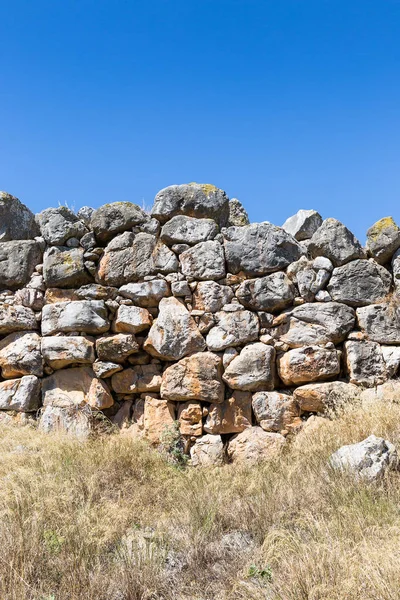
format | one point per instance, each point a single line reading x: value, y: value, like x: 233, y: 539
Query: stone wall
x: 237, y: 331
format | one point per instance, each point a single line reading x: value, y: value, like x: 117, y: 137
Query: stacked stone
x: 237, y: 331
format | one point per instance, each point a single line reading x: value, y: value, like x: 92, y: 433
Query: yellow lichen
x: 380, y: 226
x: 207, y: 188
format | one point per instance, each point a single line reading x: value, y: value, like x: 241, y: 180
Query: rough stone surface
x: 231, y: 416
x: 116, y: 217
x: 365, y: 363
x: 197, y: 377
x: 146, y: 293
x: 86, y: 316
x: 158, y: 418
x: 238, y: 216
x: 116, y: 347
x: 323, y: 397
x: 253, y: 369
x: 18, y: 260
x: 369, y: 459
x: 309, y: 363
x: 187, y: 230
x: 70, y: 420
x: 76, y: 386
x: 59, y: 224
x: 17, y: 222
x: 271, y: 293
x: 383, y: 239
x: 204, y: 261
x: 132, y: 319
x: 233, y: 329
x: 61, y: 351
x: 137, y: 379
x: 359, y: 283
x: 334, y: 241
x: 303, y: 224
x: 193, y: 200
x: 208, y: 451
x: 276, y: 411
x: 16, y: 318
x: 259, y: 249
x: 210, y: 296
x: 20, y: 355
x: 22, y: 395
x: 190, y: 416
x: 64, y: 267
x: 254, y: 445
x: 380, y: 322
x: 174, y: 334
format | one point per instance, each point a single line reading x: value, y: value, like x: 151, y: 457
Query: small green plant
x: 173, y: 445
x: 53, y: 541
x: 264, y: 573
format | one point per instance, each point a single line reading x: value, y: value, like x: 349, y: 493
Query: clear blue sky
x: 285, y: 104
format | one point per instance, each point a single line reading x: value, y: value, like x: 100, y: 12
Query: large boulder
x: 359, y: 283
x: 158, y: 418
x: 233, y: 329
x: 174, y: 334
x: 380, y: 322
x: 17, y: 262
x: 146, y: 293
x: 137, y: 379
x: 323, y: 397
x: 271, y: 293
x: 116, y: 217
x: 334, y: 241
x: 129, y: 256
x: 364, y: 363
x: 116, y: 348
x: 85, y: 316
x: 64, y: 267
x: 194, y: 200
x: 16, y: 318
x: 276, y: 411
x: 259, y: 249
x: 59, y: 224
x: 315, y: 323
x: 253, y: 369
x: 20, y: 355
x: 61, y: 351
x: 383, y: 239
x: 204, y: 261
x: 77, y: 386
x: 306, y: 364
x: 17, y: 222
x: 196, y: 377
x: 254, y: 445
x: 22, y: 395
x: 231, y: 416
x: 303, y: 224
x: 208, y: 451
x: 187, y: 230
x: 210, y: 296
x: 368, y: 460
x: 71, y: 420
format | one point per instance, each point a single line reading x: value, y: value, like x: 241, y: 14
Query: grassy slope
x: 110, y: 520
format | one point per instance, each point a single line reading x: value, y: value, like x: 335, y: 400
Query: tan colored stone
x: 320, y: 397
x: 20, y: 355
x: 387, y: 392
x: 116, y: 348
x: 208, y: 451
x: 190, y: 416
x: 275, y: 411
x: 232, y: 416
x: 61, y: 351
x: 196, y: 377
x: 77, y: 386
x: 310, y: 363
x: 158, y: 417
x: 54, y: 295
x: 253, y: 369
x: 254, y: 445
x: 137, y: 379
x: 132, y: 319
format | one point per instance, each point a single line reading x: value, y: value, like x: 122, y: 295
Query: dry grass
x: 110, y: 520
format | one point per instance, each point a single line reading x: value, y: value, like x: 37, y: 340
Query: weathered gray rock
x: 334, y: 241
x: 238, y: 216
x: 17, y: 262
x: 396, y: 271
x: 387, y: 392
x: 105, y: 369
x: 174, y: 334
x: 232, y: 329
x: 61, y: 351
x: 16, y: 318
x: 369, y: 459
x: 271, y: 293
x: 259, y: 249
x: 314, y: 323
x: 20, y: 355
x: 132, y: 319
x: 204, y: 261
x: 71, y: 420
x: 254, y: 445
x: 210, y: 296
x: 180, y: 289
x: 365, y: 363
x: 233, y: 415
x: 276, y: 411
x: 306, y: 364
x: 208, y: 451
x: 196, y: 377
x: 137, y: 379
x: 383, y: 239
x: 22, y: 395
x: 86, y: 316
x: 77, y: 386
x: 17, y: 222
x: 59, y: 224
x: 64, y: 267
x: 303, y: 224
x: 253, y: 369
x: 380, y: 322
x: 187, y: 230
x: 129, y: 256
x: 194, y: 200
x: 116, y: 348
x: 323, y: 397
x: 116, y: 217
x: 85, y: 214
x: 391, y: 356
x: 33, y: 299
x: 359, y: 283
x: 146, y: 293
